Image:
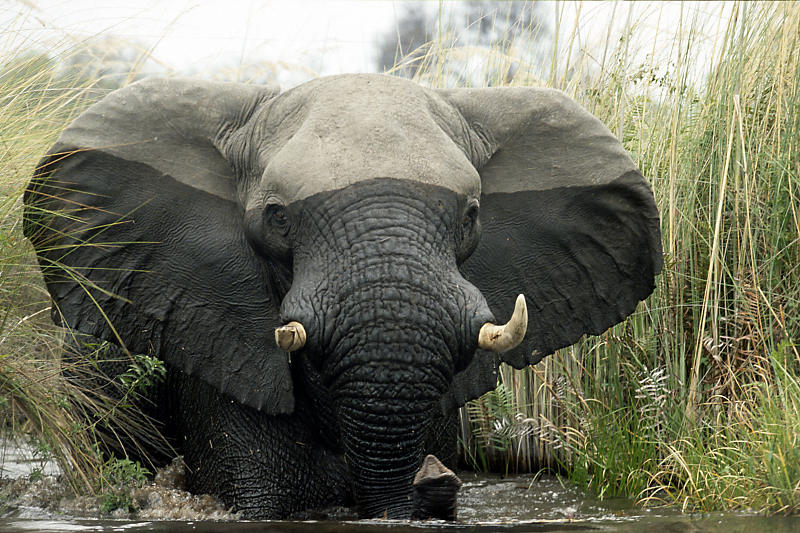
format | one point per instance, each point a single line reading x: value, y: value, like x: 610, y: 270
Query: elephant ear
x: 134, y: 217
x: 567, y: 220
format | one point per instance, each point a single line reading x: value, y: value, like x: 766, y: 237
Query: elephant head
x: 374, y: 228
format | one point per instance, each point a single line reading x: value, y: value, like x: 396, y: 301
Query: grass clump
x: 32, y: 398
x: 693, y: 400
x: 39, y: 96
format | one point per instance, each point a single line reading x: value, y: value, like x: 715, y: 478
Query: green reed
x: 692, y: 401
x: 38, y: 98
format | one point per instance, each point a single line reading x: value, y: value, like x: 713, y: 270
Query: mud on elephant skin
x: 374, y: 228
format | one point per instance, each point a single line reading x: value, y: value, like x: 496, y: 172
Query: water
x: 487, y: 503
x: 19, y: 458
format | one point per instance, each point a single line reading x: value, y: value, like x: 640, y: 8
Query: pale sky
x: 321, y: 36
x: 187, y: 33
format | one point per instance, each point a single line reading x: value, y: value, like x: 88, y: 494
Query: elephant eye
x: 275, y: 215
x: 470, y: 216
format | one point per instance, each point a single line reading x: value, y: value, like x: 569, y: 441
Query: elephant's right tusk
x: 503, y: 338
x: 290, y: 337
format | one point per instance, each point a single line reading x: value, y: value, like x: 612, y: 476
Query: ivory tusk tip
x: 521, y: 309
x: 290, y: 337
x: 506, y: 337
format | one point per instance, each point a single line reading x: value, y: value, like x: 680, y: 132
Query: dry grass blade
x: 712, y: 116
x: 39, y: 95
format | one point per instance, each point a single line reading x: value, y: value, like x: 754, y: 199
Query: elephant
x: 328, y: 272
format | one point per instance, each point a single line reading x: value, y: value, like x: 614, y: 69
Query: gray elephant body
x: 190, y: 219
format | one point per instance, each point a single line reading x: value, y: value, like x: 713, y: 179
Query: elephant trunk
x: 384, y: 441
x: 387, y: 351
x: 379, y: 309
x: 387, y: 383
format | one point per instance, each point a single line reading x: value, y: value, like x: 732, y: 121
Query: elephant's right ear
x: 135, y: 220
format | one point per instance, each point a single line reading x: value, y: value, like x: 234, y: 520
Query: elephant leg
x: 265, y: 467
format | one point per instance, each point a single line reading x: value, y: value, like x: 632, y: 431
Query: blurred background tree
x: 107, y: 63
x: 466, y: 39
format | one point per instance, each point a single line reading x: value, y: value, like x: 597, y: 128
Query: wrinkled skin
x: 382, y: 294
x: 391, y: 221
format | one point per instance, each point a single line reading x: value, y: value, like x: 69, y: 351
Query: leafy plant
x: 118, y: 477
x: 143, y: 374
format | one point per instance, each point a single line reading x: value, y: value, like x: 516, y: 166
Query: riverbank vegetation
x: 693, y: 401
x: 59, y: 420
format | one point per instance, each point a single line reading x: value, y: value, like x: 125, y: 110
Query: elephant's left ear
x: 567, y: 218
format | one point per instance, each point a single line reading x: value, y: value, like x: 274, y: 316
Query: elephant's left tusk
x: 290, y: 337
x: 503, y: 338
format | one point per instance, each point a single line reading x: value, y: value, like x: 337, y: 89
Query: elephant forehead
x: 359, y: 128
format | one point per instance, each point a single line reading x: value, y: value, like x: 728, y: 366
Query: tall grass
x: 30, y: 392
x: 38, y: 97
x: 694, y: 399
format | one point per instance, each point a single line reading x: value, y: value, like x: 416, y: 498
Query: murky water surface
x: 486, y: 503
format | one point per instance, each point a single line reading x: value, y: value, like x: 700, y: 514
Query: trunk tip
x: 435, y: 489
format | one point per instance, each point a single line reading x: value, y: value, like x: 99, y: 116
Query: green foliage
x: 693, y: 400
x: 143, y: 374
x: 124, y: 472
x: 498, y: 426
x: 112, y: 500
x: 777, y: 416
x: 118, y: 477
